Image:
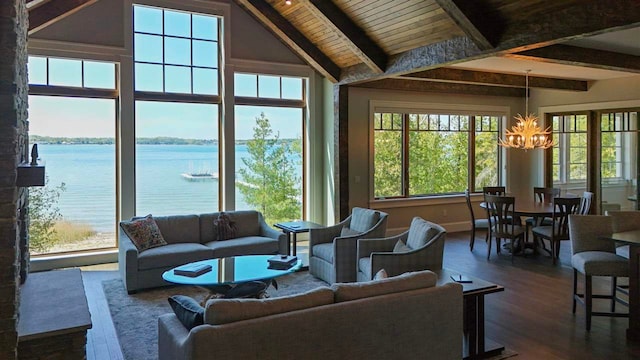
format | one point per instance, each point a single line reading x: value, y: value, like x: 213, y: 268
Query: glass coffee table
x: 228, y: 273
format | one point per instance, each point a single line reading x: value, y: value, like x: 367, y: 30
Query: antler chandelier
x: 526, y: 134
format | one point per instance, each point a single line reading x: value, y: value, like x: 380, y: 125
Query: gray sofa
x: 192, y: 238
x: 403, y: 317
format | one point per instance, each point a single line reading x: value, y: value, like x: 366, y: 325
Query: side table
x: 292, y: 229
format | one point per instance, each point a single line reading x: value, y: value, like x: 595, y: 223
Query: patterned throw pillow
x: 225, y: 228
x: 144, y: 233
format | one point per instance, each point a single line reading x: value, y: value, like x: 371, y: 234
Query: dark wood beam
x: 574, y: 55
x: 583, y: 18
x: 43, y: 14
x: 291, y: 37
x: 356, y: 39
x: 341, y: 150
x: 482, y: 77
x: 466, y: 17
x: 443, y: 87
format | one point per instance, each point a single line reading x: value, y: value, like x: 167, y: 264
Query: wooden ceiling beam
x: 465, y: 14
x: 482, y: 77
x: 583, y: 18
x: 43, y: 14
x: 442, y: 87
x: 574, y: 55
x: 291, y: 37
x: 355, y: 38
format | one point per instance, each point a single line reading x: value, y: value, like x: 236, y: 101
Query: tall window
x: 177, y: 113
x: 570, y: 152
x: 269, y: 122
x: 72, y: 118
x: 440, y: 153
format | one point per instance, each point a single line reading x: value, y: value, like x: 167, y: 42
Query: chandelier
x: 526, y: 134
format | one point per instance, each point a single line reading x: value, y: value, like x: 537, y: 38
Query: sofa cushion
x: 187, y: 310
x: 143, y: 232
x: 250, y: 245
x: 420, y: 233
x: 224, y: 311
x: 363, y: 220
x: 400, y: 283
x: 179, y: 228
x: 172, y: 255
x: 208, y: 231
x: 324, y: 252
x: 247, y: 223
x: 225, y: 228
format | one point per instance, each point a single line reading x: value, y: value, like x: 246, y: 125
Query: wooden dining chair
x: 476, y: 223
x: 559, y: 228
x: 501, y: 210
x: 494, y: 190
x: 545, y: 194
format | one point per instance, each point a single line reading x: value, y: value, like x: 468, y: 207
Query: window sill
x: 59, y: 261
x: 418, y: 201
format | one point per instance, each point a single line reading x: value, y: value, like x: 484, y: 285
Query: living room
x: 333, y: 122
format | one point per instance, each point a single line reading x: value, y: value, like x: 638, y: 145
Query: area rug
x: 135, y: 316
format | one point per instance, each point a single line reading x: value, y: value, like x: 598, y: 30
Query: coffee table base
x: 252, y: 289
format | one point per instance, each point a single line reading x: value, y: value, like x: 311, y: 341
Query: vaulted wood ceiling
x: 411, y: 44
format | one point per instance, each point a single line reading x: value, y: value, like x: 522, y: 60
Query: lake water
x: 88, y: 172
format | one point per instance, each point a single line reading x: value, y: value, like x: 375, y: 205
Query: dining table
x: 632, y: 238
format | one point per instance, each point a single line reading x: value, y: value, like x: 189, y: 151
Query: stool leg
x: 587, y: 299
x: 614, y: 284
x: 575, y: 289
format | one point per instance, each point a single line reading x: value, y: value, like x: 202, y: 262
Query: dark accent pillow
x: 187, y: 310
x: 144, y: 233
x: 225, y: 228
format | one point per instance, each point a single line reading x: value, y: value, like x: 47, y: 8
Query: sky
x: 179, y: 56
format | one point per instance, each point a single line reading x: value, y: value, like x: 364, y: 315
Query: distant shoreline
x: 51, y: 140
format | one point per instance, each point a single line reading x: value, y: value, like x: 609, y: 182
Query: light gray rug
x: 135, y: 316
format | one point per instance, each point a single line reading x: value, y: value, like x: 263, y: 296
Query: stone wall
x: 13, y: 150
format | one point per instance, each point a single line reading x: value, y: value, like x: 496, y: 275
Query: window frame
x: 564, y: 146
x: 406, y: 108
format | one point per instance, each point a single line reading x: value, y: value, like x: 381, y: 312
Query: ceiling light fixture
x: 287, y: 2
x: 526, y: 134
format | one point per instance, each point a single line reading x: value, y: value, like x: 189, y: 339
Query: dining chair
x: 594, y: 255
x: 494, y: 190
x: 541, y: 195
x: 624, y: 221
x: 476, y: 223
x: 585, y: 203
x: 559, y: 228
x: 501, y: 210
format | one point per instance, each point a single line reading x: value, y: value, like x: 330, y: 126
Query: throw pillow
x: 144, y: 233
x: 400, y: 247
x: 187, y: 310
x: 420, y: 233
x: 382, y: 274
x: 225, y: 228
x: 363, y: 220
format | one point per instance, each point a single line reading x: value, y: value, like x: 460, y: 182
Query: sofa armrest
x: 127, y: 261
x: 268, y: 231
x: 172, y: 337
x: 344, y: 258
x: 368, y: 246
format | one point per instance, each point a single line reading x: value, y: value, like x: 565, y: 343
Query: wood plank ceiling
x: 407, y: 44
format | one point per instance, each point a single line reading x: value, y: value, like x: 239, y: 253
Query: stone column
x: 13, y: 146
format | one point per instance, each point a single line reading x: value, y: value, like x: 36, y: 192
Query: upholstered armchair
x: 421, y: 248
x: 332, y: 249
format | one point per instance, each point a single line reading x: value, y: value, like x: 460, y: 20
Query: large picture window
x: 72, y: 119
x: 570, y: 152
x: 177, y: 111
x: 434, y: 149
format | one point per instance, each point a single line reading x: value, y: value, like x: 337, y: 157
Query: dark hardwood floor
x: 531, y: 317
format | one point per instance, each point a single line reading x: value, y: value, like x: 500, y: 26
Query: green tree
x: 269, y: 181
x: 43, y: 215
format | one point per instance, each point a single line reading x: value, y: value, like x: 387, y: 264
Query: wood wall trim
x: 443, y: 87
x: 341, y: 150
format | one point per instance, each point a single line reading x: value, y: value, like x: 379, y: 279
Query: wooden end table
x: 292, y: 229
x: 476, y: 346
